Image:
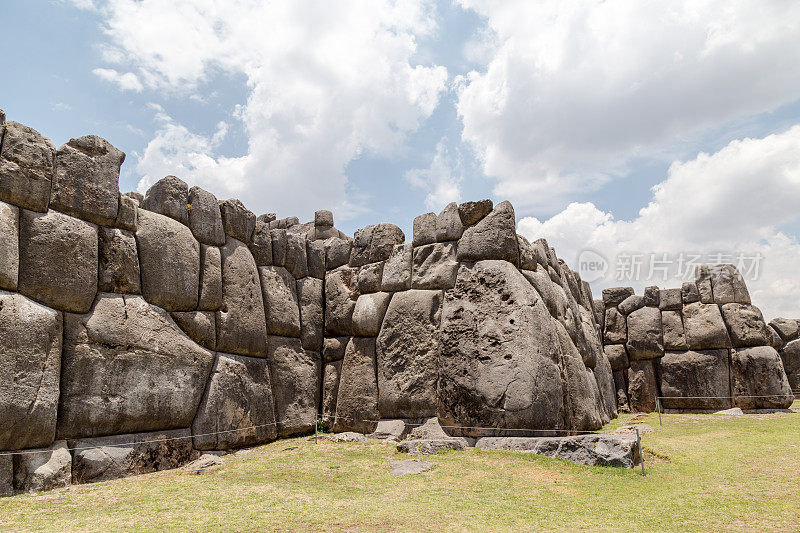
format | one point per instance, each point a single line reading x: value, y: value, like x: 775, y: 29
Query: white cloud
x: 575, y: 90
x: 732, y: 201
x: 442, y: 179
x: 327, y: 82
x: 127, y: 81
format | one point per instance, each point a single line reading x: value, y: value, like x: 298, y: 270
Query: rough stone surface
x: 787, y: 329
x: 615, y: 295
x: 296, y: 255
x: 316, y: 259
x: 200, y: 326
x: 689, y: 293
x: 620, y: 451
x: 424, y: 229
x: 117, y: 456
x: 617, y: 356
x: 280, y: 243
x: 791, y: 357
x: 127, y: 368
x: 210, y: 279
x: 238, y: 402
x: 52, y: 245
x: 435, y: 266
x: 128, y: 213
x: 323, y: 217
x: 169, y: 196
x: 631, y: 304
x: 169, y: 258
x: 333, y: 348
x: 340, y: 301
x: 337, y: 252
x: 758, y: 380
x: 705, y: 329
x: 642, y: 385
x: 296, y: 375
x: 330, y: 390
x: 280, y: 301
x: 241, y: 324
x: 310, y: 297
x: 431, y: 429
x: 473, y: 212
x: 237, y: 221
x: 26, y: 167
x: 695, y: 373
x: 645, y: 335
x: 408, y: 349
x: 6, y: 476
x: 389, y: 429
x: 369, y: 312
x: 651, y: 297
x: 86, y: 180
x: 616, y: 331
x: 30, y: 367
x: 448, y: 224
x: 369, y: 277
x: 670, y: 299
x: 430, y: 447
x: 397, y: 269
x: 674, y: 335
x: 49, y: 469
x: 410, y: 467
x: 553, y: 295
x: 375, y: 243
x: 746, y: 325
x: 9, y: 246
x: 205, y: 219
x: 261, y: 244
x: 527, y: 257
x: 357, y: 401
x: 494, y: 237
x: 727, y: 285
x: 119, y: 262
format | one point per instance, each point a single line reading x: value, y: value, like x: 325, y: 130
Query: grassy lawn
x: 704, y: 472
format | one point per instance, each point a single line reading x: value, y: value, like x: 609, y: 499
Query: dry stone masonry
x: 137, y: 331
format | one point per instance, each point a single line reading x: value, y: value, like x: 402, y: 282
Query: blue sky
x: 615, y: 126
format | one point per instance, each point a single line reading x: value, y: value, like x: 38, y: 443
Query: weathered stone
x: 357, y: 401
x: 205, y: 219
x: 237, y: 407
x: 604, y: 376
x: 689, y: 293
x: 540, y: 248
x: 44, y: 469
x: 337, y: 252
x: 435, y: 266
x: 340, y: 301
x: 119, y: 262
x: 498, y: 360
x: 615, y: 295
x: 642, y: 385
x: 704, y: 327
x: 645, y: 335
x: 330, y: 390
x: 86, y: 180
x: 200, y: 326
x: 408, y: 349
x: 448, y: 224
x: 389, y: 429
x: 6, y: 471
x: 237, y: 220
x: 776, y: 342
x: 473, y: 212
x: 630, y: 304
x: 322, y: 233
x: 375, y: 243
x: 397, y: 269
x: 431, y: 429
x: 296, y: 255
x: 651, y: 297
x: 704, y: 289
x: 127, y: 214
x: 494, y: 237
x: 674, y: 336
x: 266, y: 218
x: 695, y: 374
x: 280, y: 244
x: 323, y: 217
x: 599, y: 311
x: 621, y: 386
x: 369, y: 277
x: 431, y: 447
x: 58, y: 260
x: 118, y: 456
x: 581, y: 393
x: 527, y: 258
x: 785, y: 327
x: 369, y: 312
x: 30, y: 366
x: 169, y: 257
x: 316, y: 259
x: 621, y: 451
x: 670, y: 299
x: 425, y: 229
x: 746, y: 325
x: 280, y: 301
x: 210, y: 279
x: 333, y: 348
x: 9, y: 246
x: 758, y: 380
x: 261, y: 244
x: 311, y: 301
x: 169, y: 196
x: 136, y: 196
x: 241, y: 323
x: 617, y: 356
x: 791, y: 356
x: 552, y: 294
x: 348, y: 436
x: 727, y: 284
x: 127, y: 367
x: 26, y: 167
x: 296, y: 375
x: 410, y: 467
x: 592, y: 351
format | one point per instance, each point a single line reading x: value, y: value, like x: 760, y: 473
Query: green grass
x: 704, y: 472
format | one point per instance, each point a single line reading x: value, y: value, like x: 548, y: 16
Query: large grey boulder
x: 473, y: 212
x: 6, y: 476
x: 674, y: 335
x: 527, y: 255
x: 553, y: 295
x: 58, y: 260
x: 645, y: 334
x: 118, y: 456
x: 375, y: 243
x: 357, y: 399
x: 169, y: 258
x: 705, y: 329
x: 281, y: 305
x: 237, y: 408
x: 310, y: 296
x: 205, y: 220
x: 582, y: 399
x: 280, y: 243
x: 621, y: 451
x: 746, y: 325
x: 727, y: 284
x: 9, y: 246
x: 604, y: 375
x: 169, y: 196
x: 368, y: 314
x: 200, y: 326
x: 315, y: 250
x: 499, y: 358
x: 261, y: 244
x: 86, y: 179
x: 448, y: 224
x: 435, y: 266
x: 670, y: 300
x: 30, y: 368
x: 369, y: 277
x: 26, y: 167
x: 642, y: 385
x: 614, y: 296
x: 330, y: 390
x: 786, y: 328
x: 791, y: 357
x: 758, y: 380
x: 119, y: 262
x: 616, y: 330
x: 237, y: 221
x: 295, y: 376
x: 241, y: 323
x: 337, y: 252
x: 408, y: 349
x: 494, y: 237
x: 695, y: 374
x: 424, y: 229
x: 689, y: 292
x: 410, y: 467
x: 127, y: 368
x: 431, y: 447
x: 43, y: 469
x: 397, y: 269
x: 211, y: 296
x: 128, y: 213
x: 296, y: 255
x: 340, y: 301
x: 617, y: 356
x: 333, y: 348
x: 631, y: 304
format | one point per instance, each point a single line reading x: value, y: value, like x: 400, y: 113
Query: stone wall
x: 703, y: 346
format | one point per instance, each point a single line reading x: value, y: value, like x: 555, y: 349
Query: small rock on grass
x: 348, y: 436
x: 205, y: 461
x: 410, y: 466
x: 733, y: 411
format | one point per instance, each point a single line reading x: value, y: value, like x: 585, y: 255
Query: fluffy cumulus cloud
x: 733, y: 202
x: 327, y: 82
x: 127, y: 81
x: 575, y: 91
x: 442, y: 179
